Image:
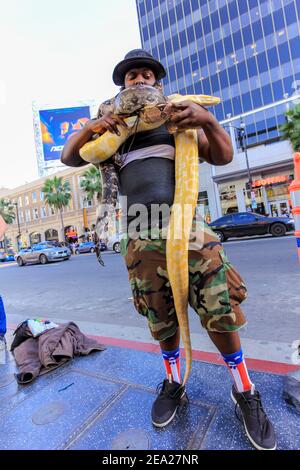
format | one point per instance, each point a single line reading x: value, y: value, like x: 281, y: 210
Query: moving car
x: 42, y: 253
x: 89, y: 247
x: 245, y: 224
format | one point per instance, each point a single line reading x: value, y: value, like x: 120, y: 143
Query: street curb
x: 257, y: 365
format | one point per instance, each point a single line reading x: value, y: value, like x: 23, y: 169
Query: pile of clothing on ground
x: 40, y: 346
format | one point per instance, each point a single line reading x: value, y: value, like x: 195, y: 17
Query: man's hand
x: 214, y: 143
x: 108, y: 122
x: 188, y: 115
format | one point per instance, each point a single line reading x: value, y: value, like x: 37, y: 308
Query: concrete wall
x: 258, y: 157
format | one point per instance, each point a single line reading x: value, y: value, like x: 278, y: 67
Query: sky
x: 57, y: 52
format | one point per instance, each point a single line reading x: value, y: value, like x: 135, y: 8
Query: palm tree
x: 7, y: 211
x: 91, y: 183
x: 291, y: 128
x: 57, y: 194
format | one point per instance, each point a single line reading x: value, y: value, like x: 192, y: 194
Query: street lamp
x: 18, y: 221
x: 243, y: 143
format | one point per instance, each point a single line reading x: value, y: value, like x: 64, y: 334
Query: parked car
x: 89, y: 247
x: 10, y: 255
x: 54, y: 243
x: 42, y: 253
x: 114, y: 242
x: 62, y: 244
x: 7, y: 255
x: 245, y: 224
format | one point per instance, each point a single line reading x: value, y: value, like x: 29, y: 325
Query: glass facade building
x: 245, y: 51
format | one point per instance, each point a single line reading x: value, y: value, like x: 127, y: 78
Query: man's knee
x: 164, y: 332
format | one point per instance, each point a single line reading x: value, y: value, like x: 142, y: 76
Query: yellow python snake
x: 185, y: 198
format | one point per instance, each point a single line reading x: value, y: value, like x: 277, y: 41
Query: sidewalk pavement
x: 273, y: 351
x: 103, y: 401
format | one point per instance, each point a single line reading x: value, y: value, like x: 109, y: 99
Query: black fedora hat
x: 137, y: 58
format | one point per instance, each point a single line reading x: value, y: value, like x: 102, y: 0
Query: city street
x: 99, y: 300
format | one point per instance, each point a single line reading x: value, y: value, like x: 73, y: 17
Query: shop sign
x: 71, y: 234
x: 271, y: 180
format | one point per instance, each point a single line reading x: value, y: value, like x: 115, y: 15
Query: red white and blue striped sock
x: 172, y: 365
x: 238, y: 369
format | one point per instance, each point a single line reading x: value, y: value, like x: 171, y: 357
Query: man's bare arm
x: 215, y: 146
x: 70, y: 155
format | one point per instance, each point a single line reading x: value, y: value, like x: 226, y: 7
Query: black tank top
x: 145, y: 139
x: 150, y: 180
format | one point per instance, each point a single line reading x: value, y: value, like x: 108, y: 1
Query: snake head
x: 137, y: 97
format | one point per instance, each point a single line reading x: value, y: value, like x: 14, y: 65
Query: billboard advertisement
x: 57, y: 125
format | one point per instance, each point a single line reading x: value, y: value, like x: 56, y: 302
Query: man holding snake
x: 147, y: 176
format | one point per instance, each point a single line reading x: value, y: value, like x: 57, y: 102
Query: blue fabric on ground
x: 2, y: 318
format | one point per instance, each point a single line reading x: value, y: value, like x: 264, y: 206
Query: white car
x: 42, y: 253
x: 114, y: 242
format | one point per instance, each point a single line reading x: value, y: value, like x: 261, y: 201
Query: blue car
x: 10, y: 256
x: 7, y: 256
x: 89, y: 247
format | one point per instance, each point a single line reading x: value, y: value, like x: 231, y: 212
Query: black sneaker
x: 172, y: 396
x: 259, y: 428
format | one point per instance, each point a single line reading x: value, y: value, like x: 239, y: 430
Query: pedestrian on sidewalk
x: 147, y: 176
x: 73, y: 248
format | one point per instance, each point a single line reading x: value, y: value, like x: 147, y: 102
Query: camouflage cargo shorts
x: 215, y: 287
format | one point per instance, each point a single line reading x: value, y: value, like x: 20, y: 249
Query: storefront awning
x: 261, y: 171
